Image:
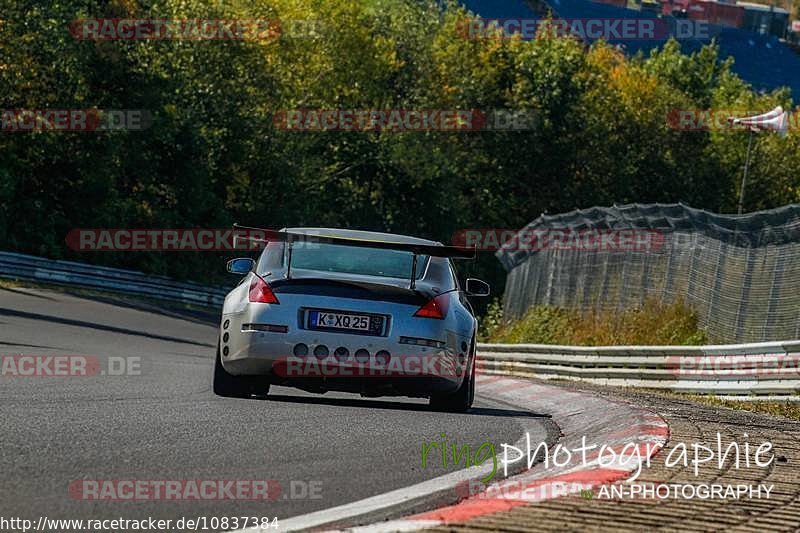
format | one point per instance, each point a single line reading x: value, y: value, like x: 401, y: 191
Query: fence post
x: 774, y: 291
x: 669, y: 274
x: 604, y: 283
x: 552, y: 265
x: 719, y: 271
x: 588, y: 280
x: 741, y: 311
x: 645, y: 277
x: 622, y: 293
x: 690, y: 286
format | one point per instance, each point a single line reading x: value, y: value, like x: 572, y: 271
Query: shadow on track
x: 18, y: 345
x: 380, y: 404
x: 100, y: 327
x: 197, y: 316
x: 27, y: 293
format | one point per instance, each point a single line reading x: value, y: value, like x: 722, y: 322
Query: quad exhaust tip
x: 300, y: 350
x: 383, y: 357
x: 321, y: 351
x: 362, y: 355
x: 342, y: 354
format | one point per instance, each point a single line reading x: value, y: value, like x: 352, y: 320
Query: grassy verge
x: 789, y: 410
x: 653, y: 323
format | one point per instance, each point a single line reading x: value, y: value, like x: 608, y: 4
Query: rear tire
x: 461, y: 400
x: 227, y: 385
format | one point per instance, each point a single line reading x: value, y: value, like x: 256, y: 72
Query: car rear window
x: 356, y: 260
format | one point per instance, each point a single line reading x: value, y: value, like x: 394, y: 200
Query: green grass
x: 784, y: 409
x: 653, y: 323
x: 787, y: 409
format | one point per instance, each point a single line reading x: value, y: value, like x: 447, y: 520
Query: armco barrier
x: 767, y: 370
x: 31, y: 268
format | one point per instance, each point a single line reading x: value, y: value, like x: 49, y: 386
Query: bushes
x: 213, y: 154
x: 652, y: 324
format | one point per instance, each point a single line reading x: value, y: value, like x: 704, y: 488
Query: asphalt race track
x: 162, y: 422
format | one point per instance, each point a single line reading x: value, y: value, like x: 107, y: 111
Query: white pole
x: 746, y: 165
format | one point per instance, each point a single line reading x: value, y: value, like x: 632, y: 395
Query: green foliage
x: 540, y: 325
x: 213, y: 155
x: 492, y: 320
x: 653, y: 323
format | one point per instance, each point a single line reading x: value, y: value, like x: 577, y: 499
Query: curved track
x: 163, y: 423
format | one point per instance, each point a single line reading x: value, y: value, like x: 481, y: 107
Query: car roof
x: 366, y: 235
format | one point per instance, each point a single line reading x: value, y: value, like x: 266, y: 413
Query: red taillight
x: 435, y: 308
x: 261, y: 292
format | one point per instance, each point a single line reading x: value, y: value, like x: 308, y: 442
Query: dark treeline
x: 213, y: 154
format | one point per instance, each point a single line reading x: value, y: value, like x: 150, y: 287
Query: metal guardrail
x: 767, y: 370
x: 32, y: 268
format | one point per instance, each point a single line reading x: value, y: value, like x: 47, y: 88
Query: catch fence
x: 740, y: 273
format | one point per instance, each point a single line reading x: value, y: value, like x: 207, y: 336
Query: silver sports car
x: 354, y: 311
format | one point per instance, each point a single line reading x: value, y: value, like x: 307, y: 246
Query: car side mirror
x: 476, y: 287
x: 241, y: 265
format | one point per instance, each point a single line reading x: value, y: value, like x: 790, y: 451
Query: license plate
x: 339, y: 321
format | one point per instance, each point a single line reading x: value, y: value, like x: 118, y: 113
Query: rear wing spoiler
x: 255, y: 234
x: 453, y: 252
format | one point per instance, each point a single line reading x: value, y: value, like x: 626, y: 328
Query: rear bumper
x: 410, y: 370
x: 433, y: 356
